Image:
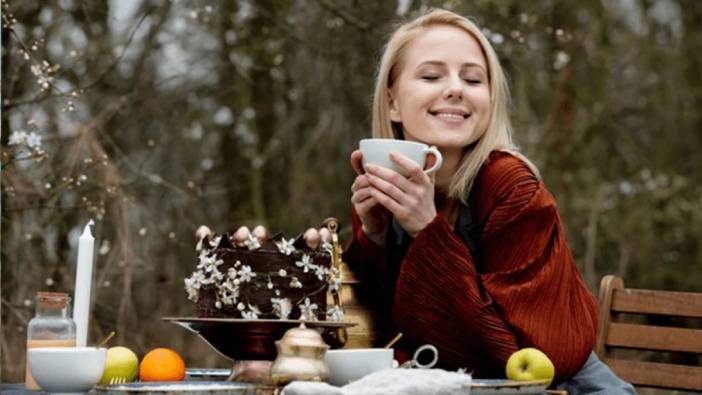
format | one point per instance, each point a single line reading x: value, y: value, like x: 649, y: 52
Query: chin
x: 442, y: 139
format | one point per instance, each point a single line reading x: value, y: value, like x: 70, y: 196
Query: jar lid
x: 302, y: 337
x: 53, y: 299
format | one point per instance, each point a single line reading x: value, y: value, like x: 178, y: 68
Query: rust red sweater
x: 525, y: 292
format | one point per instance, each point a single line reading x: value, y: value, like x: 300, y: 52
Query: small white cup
x: 348, y: 365
x: 377, y: 152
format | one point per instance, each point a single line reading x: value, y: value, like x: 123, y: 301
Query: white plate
x: 506, y: 387
x: 181, y: 387
x: 207, y: 374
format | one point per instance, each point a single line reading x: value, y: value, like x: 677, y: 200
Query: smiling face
x: 442, y: 92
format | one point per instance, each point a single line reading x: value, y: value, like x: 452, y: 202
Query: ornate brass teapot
x: 300, y: 357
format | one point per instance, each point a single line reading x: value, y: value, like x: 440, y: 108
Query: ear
x: 394, y: 108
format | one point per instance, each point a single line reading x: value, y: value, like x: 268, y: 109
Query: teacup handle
x: 439, y: 159
x: 432, y: 349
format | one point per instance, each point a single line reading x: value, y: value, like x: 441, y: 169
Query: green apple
x: 530, y: 364
x: 120, y: 362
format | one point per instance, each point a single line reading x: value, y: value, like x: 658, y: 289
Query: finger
x: 366, y: 206
x: 201, y: 232
x: 361, y: 181
x: 413, y: 169
x: 360, y: 195
x: 325, y: 235
x: 312, y: 238
x: 387, y: 188
x: 260, y: 233
x: 357, y: 161
x: 389, y: 203
x: 390, y: 176
x: 241, y: 235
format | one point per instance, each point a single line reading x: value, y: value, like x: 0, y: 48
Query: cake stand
x: 242, y: 339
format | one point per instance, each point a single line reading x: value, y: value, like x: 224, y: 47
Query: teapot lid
x: 302, y: 336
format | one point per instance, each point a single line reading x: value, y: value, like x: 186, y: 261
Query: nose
x: 454, y: 89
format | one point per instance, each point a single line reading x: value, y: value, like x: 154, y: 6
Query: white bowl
x: 67, y: 369
x: 348, y: 365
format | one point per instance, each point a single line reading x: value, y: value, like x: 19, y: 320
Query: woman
x: 472, y: 259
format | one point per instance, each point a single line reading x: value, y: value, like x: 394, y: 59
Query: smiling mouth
x: 450, y: 115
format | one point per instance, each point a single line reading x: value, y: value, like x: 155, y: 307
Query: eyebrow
x: 439, y: 63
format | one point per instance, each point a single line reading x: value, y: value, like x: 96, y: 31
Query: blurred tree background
x: 154, y: 116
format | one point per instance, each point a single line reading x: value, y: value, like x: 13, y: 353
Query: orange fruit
x: 162, y: 364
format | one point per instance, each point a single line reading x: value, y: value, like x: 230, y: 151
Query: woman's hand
x: 410, y: 200
x: 374, y: 217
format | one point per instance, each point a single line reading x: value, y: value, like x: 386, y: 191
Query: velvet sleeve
x: 526, y: 293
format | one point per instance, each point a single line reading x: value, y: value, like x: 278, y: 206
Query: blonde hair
x: 498, y: 135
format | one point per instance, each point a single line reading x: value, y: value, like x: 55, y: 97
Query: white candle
x: 84, y: 279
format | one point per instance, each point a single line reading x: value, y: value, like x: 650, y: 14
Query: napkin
x: 391, y: 382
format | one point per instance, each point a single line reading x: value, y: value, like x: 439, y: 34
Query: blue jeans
x: 596, y: 378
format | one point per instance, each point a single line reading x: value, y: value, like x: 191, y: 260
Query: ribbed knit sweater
x: 526, y: 290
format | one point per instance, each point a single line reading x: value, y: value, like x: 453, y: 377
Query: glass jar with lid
x: 51, y: 326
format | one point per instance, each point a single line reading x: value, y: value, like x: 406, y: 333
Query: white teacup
x: 377, y: 152
x: 348, y: 365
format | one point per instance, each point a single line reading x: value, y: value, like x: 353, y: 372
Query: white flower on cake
x: 281, y: 307
x: 192, y: 292
x: 252, y: 243
x: 251, y: 314
x: 285, y: 246
x: 320, y: 271
x: 270, y: 284
x: 335, y: 313
x: 308, y: 310
x: 228, y: 292
x: 218, y: 276
x: 214, y: 278
x: 295, y: 283
x: 231, y: 272
x: 192, y: 285
x: 282, y: 273
x: 305, y: 263
x: 245, y: 274
x: 208, y: 263
x: 240, y: 306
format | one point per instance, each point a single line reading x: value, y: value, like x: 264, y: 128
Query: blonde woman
x: 472, y: 259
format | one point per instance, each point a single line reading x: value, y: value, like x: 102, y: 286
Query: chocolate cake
x: 275, y: 278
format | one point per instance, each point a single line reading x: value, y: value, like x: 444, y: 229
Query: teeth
x: 449, y: 116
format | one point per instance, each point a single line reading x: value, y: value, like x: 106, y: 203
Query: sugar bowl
x: 300, y: 357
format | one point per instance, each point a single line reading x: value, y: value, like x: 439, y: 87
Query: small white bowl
x: 67, y: 370
x: 348, y: 365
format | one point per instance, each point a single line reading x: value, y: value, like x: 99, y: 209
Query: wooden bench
x: 640, y: 306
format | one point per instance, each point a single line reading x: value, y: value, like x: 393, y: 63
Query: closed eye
x: 472, y: 81
x: 430, y: 77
